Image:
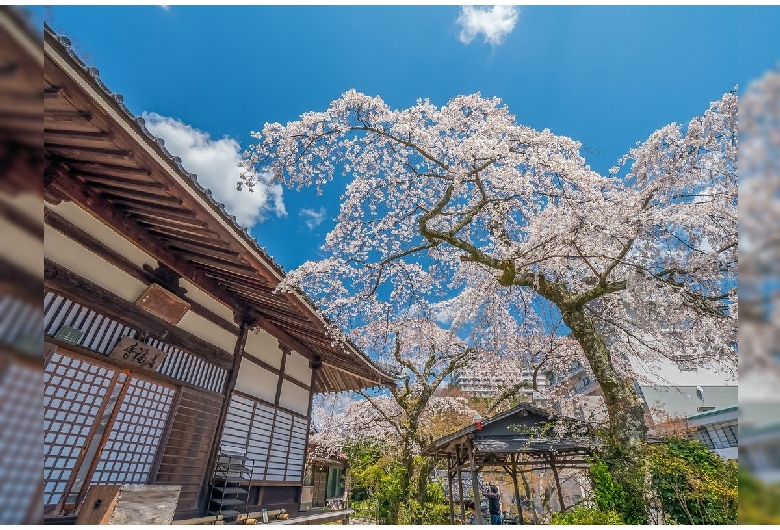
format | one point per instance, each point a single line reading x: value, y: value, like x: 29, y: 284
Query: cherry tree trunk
x: 627, y: 430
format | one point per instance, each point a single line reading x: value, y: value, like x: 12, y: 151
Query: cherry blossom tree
x: 640, y: 263
x: 406, y: 415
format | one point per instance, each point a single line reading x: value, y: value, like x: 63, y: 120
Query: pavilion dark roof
x: 486, y: 442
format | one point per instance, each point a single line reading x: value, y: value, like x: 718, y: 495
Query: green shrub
x: 611, y: 497
x: 693, y: 484
x: 589, y: 516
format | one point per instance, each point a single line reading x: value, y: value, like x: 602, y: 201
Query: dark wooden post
x: 238, y: 353
x: 460, y: 486
x: 517, y: 492
x: 557, y: 481
x: 449, y: 486
x: 529, y: 496
x: 475, y: 484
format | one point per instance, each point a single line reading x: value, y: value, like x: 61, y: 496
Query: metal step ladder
x: 230, y: 484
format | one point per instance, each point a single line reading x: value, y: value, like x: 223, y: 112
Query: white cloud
x: 215, y: 162
x: 167, y: 8
x: 495, y: 23
x: 314, y: 217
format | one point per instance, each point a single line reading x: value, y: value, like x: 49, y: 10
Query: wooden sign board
x: 129, y: 504
x: 137, y: 354
x: 163, y: 304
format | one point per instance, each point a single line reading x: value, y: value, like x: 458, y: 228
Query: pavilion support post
x: 517, y: 493
x: 460, y: 488
x: 529, y: 497
x: 450, y: 472
x: 557, y: 482
x: 475, y: 484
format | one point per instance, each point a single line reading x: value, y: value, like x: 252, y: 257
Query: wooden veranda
x: 522, y: 439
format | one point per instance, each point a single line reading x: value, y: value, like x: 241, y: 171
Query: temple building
x: 168, y: 355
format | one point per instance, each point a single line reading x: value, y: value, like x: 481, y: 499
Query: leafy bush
x: 376, y: 489
x: 611, y: 497
x: 589, y: 516
x: 694, y: 485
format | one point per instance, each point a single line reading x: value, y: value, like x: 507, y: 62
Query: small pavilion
x: 522, y: 439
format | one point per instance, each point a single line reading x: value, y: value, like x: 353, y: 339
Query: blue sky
x: 606, y: 76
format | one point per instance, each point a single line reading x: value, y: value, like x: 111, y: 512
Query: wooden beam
x: 196, y: 234
x: 91, y: 201
x: 95, y: 178
x: 102, y: 167
x: 131, y: 187
x: 81, y: 135
x: 201, y: 257
x: 53, y: 93
x: 84, y: 149
x: 67, y: 116
x: 126, y: 196
x: 199, y: 249
x: 153, y: 216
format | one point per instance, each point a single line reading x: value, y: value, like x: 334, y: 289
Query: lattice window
x: 280, y: 443
x: 129, y: 452
x: 704, y: 437
x: 297, y: 451
x: 260, y: 438
x: 730, y: 431
x: 20, y: 442
x: 274, y: 439
x: 74, y: 393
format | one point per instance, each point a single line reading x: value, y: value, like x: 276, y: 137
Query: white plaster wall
x: 206, y: 300
x: 257, y: 381
x: 208, y: 331
x: 262, y: 345
x: 297, y: 366
x: 97, y: 229
x: 70, y: 254
x: 294, y: 397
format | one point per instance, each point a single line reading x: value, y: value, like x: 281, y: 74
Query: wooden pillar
x: 452, y: 498
x: 347, y: 485
x: 557, y: 481
x: 475, y: 484
x: 529, y: 496
x: 517, y: 493
x: 460, y: 488
x: 230, y: 385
